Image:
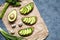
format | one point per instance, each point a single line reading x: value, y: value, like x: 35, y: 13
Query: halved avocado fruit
x: 26, y: 31
x: 29, y: 20
x: 12, y: 16
x: 27, y: 8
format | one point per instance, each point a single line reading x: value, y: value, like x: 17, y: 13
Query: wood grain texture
x: 40, y: 31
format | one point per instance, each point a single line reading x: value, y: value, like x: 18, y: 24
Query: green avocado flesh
x: 26, y: 31
x: 12, y: 16
x: 29, y: 20
x: 27, y: 8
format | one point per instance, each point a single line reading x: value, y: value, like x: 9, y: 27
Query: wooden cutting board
x: 40, y: 29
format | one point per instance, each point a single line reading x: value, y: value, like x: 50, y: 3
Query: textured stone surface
x: 50, y: 11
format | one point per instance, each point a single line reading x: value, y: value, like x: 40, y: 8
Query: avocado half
x: 27, y: 8
x: 12, y: 16
x: 29, y: 20
x: 26, y: 31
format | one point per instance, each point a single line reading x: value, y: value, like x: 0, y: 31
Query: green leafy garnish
x: 9, y: 2
x: 10, y: 37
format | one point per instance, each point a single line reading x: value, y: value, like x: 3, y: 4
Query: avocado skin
x: 15, y: 16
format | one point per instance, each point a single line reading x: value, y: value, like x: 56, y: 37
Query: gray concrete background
x: 50, y: 12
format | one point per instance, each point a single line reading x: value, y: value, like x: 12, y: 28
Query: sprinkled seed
x: 12, y: 32
x: 20, y: 24
x: 13, y: 26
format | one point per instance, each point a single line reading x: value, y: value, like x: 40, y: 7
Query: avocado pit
x: 12, y: 16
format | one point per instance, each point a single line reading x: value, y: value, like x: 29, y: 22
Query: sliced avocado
x: 33, y: 20
x: 29, y: 20
x: 27, y: 8
x: 30, y: 7
x: 26, y: 31
x: 26, y: 20
x: 24, y: 10
x: 12, y: 16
